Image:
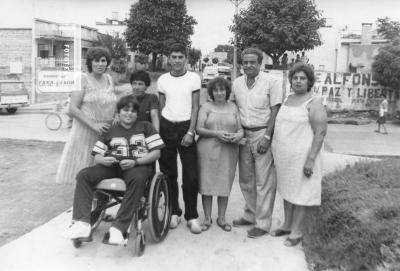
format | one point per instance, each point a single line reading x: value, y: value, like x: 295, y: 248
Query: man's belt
x: 253, y: 129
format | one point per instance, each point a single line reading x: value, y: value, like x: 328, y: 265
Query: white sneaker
x: 116, y: 237
x: 175, y: 220
x: 194, y: 226
x: 77, y: 229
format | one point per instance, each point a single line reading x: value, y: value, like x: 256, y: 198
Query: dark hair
x: 178, y: 47
x: 141, y: 76
x: 309, y: 72
x: 253, y: 51
x: 219, y: 81
x: 128, y: 100
x: 95, y: 53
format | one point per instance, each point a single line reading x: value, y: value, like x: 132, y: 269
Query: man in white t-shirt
x: 179, y: 103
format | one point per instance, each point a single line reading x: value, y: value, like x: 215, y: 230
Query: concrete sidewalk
x: 44, y: 249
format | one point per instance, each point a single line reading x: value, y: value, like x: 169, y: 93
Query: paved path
x: 44, y: 249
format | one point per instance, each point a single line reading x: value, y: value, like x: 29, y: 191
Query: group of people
x: 274, y: 140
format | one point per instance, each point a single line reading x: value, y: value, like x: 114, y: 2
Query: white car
x: 211, y: 72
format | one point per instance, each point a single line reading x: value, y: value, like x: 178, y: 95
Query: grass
x: 357, y: 226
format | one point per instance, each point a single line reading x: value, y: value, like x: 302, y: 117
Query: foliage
x: 118, y: 65
x: 357, y: 226
x: 215, y: 60
x: 194, y: 56
x: 386, y: 66
x: 142, y: 58
x: 276, y: 26
x: 115, y: 44
x: 154, y: 25
x: 206, y: 59
x: 388, y: 29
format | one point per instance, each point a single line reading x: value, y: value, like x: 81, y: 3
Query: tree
x: 229, y: 49
x: 386, y: 66
x: 154, y: 25
x: 194, y: 56
x: 388, y: 29
x: 276, y: 26
x: 117, y: 48
x: 206, y: 59
x: 215, y: 60
x: 115, y: 44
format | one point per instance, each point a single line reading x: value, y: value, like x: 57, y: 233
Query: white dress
x: 291, y: 145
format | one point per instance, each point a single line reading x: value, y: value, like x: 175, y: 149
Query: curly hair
x: 140, y: 76
x: 95, y: 53
x: 222, y: 82
x: 128, y: 100
x: 308, y: 71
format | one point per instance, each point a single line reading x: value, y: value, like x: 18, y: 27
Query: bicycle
x: 54, y: 119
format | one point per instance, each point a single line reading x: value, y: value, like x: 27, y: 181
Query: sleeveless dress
x: 291, y: 145
x: 99, y: 105
x: 217, y: 160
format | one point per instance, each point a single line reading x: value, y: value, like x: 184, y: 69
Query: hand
x: 236, y: 137
x: 223, y: 136
x: 263, y: 145
x: 187, y: 140
x: 127, y: 164
x: 308, y: 167
x: 101, y: 128
x: 108, y: 161
x: 116, y: 120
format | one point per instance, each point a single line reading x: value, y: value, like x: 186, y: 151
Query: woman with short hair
x: 300, y: 129
x: 93, y: 108
x: 219, y: 128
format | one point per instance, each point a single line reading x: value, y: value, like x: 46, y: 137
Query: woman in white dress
x: 300, y: 129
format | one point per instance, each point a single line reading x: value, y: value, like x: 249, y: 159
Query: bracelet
x: 267, y: 137
x: 190, y: 133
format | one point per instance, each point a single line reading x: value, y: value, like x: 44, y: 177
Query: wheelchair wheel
x: 53, y: 121
x: 140, y: 243
x: 159, y: 207
x: 98, y: 211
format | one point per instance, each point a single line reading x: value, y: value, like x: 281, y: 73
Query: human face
x: 219, y: 93
x: 138, y: 88
x: 178, y: 62
x: 300, y: 82
x: 251, y: 67
x: 99, y: 66
x: 127, y: 116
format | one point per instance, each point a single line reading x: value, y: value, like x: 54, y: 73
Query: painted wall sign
x: 351, y: 91
x: 56, y: 81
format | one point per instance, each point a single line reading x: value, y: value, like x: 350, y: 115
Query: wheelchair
x: 155, y: 206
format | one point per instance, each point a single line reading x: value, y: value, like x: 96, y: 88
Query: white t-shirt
x: 178, y: 94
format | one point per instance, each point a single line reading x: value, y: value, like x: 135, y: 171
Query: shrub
x: 357, y: 226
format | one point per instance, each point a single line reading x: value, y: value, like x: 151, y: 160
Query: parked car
x: 211, y: 72
x: 13, y: 94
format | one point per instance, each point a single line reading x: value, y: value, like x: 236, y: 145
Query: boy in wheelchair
x: 128, y: 151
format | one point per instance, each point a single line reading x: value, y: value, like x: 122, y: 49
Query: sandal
x: 280, y: 232
x: 226, y: 227
x: 206, y: 226
x: 289, y: 242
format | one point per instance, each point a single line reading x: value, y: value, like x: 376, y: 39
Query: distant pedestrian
x: 299, y: 134
x: 298, y: 59
x: 284, y: 61
x: 383, y: 109
x: 304, y: 58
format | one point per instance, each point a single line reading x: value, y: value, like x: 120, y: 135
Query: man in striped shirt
x: 128, y: 151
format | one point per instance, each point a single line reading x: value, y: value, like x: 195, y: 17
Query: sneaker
x: 77, y: 229
x: 194, y: 226
x: 256, y: 232
x: 175, y: 220
x: 116, y: 237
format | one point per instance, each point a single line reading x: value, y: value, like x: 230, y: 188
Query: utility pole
x: 237, y: 4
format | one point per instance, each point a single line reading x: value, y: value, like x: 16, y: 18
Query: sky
x: 213, y: 16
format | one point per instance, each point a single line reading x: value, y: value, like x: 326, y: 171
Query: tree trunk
x: 153, y: 61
